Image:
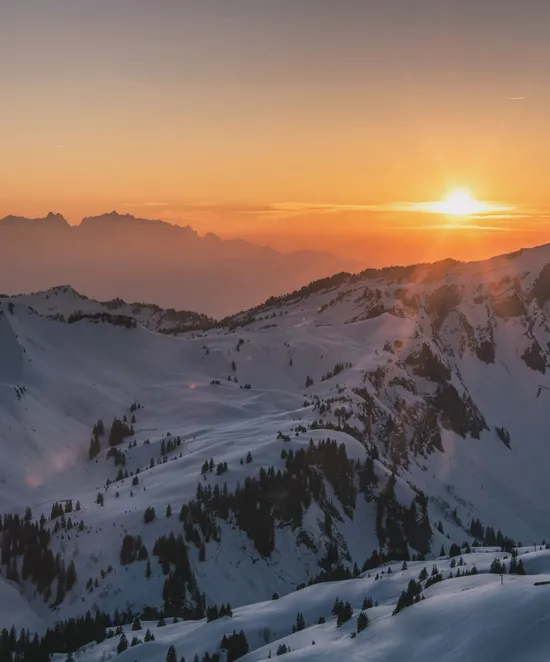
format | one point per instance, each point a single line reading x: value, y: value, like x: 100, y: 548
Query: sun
x: 460, y: 203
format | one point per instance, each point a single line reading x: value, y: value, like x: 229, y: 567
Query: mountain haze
x: 116, y: 255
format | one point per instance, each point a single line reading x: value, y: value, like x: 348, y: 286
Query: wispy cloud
x: 492, y: 210
x: 146, y: 204
x: 515, y: 98
x: 463, y: 226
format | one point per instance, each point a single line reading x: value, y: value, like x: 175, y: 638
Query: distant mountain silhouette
x: 115, y: 255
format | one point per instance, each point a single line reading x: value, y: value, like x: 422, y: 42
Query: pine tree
x: 362, y: 622
x: 171, y: 655
x: 136, y: 625
x: 367, y: 604
x: 148, y: 569
x: 122, y: 644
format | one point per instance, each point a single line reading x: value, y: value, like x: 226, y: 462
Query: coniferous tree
x: 367, y: 604
x: 149, y: 515
x: 122, y: 644
x: 362, y: 622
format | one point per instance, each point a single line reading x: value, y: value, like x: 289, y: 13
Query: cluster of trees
x: 149, y: 515
x: 65, y: 637
x: 338, y: 368
x: 362, y: 622
x: 95, y: 445
x: 213, y: 613
x: 236, y: 645
x: 27, y: 544
x: 169, y: 444
x: 300, y: 623
x: 116, y: 320
x: 180, y: 591
x: 398, y: 526
x: 275, y: 497
x: 221, y: 467
x: 119, y: 431
x: 409, y: 597
x: 516, y: 565
x: 458, y: 413
x: 342, y: 610
x: 487, y: 537
x: 59, y: 509
x: 199, y: 522
x: 120, y: 460
x: 498, y: 567
x: 132, y: 549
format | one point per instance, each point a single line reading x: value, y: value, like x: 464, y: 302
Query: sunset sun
x: 460, y: 203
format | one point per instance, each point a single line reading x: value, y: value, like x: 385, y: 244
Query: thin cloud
x: 515, y: 98
x: 428, y: 207
x: 463, y: 226
x: 146, y: 204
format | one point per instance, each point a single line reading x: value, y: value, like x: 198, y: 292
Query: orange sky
x: 293, y: 124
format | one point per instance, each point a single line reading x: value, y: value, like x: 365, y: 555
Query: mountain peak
x: 50, y: 220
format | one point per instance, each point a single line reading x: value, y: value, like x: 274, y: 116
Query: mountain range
x: 116, y: 255
x: 371, y: 444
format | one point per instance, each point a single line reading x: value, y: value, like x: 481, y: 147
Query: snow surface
x: 468, y: 618
x: 57, y: 379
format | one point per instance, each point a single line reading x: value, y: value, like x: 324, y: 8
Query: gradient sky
x: 292, y: 122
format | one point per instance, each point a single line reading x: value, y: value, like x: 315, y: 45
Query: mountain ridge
x: 120, y: 256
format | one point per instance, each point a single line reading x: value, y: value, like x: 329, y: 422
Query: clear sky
x: 296, y: 122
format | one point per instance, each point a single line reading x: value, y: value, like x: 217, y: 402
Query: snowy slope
x: 468, y: 618
x: 432, y: 360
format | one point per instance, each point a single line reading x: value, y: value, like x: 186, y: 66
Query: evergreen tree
x: 149, y: 515
x: 362, y: 622
x: 367, y: 604
x: 171, y: 655
x: 122, y: 644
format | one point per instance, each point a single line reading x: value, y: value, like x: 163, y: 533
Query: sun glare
x: 460, y: 203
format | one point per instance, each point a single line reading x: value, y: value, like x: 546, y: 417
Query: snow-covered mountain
x: 321, y: 437
x: 117, y: 255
